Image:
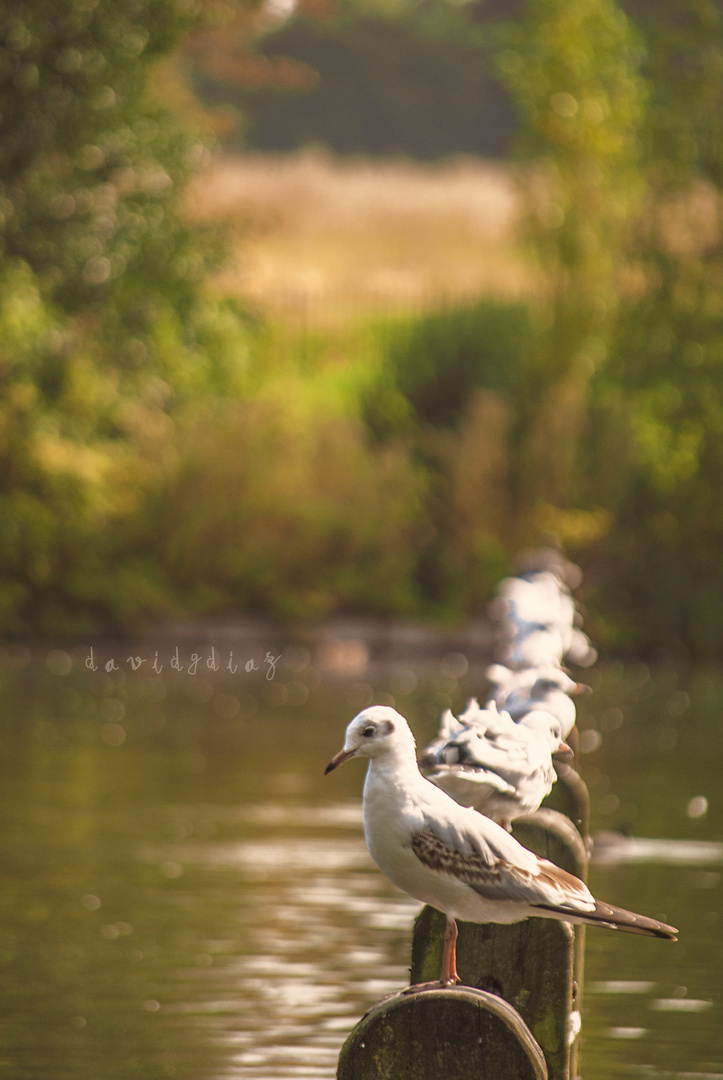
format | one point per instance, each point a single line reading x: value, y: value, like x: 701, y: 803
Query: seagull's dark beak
x: 580, y: 688
x: 564, y: 752
x: 339, y: 759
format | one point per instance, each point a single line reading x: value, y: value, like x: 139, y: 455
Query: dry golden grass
x: 321, y: 240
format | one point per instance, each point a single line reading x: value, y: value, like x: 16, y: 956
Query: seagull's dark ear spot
x: 386, y: 728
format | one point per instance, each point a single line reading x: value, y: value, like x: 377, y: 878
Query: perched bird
x: 453, y: 858
x: 548, y: 688
x: 504, y: 770
x: 535, y: 598
x: 537, y: 622
x: 488, y: 721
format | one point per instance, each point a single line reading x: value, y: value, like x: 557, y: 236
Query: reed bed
x: 317, y: 240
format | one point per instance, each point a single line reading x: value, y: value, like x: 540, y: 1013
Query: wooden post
x: 534, y: 965
x: 551, y: 835
x: 571, y: 797
x: 441, y: 1034
x: 529, y: 964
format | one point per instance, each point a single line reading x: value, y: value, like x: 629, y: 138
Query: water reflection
x: 186, y: 896
x: 612, y: 847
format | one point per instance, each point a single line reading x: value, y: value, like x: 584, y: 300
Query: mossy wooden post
x: 552, y: 835
x: 571, y: 797
x: 446, y: 1034
x: 534, y: 965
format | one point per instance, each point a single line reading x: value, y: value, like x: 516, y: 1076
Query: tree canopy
x: 103, y: 326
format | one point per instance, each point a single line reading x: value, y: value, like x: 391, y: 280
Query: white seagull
x: 536, y: 619
x: 453, y: 858
x: 548, y: 688
x: 503, y: 772
x: 487, y: 721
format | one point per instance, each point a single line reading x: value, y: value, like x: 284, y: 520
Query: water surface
x: 186, y: 895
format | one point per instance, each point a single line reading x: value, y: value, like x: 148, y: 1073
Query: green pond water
x: 184, y: 894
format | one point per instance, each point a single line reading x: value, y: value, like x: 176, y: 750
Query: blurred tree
x: 103, y: 325
x: 658, y: 406
x: 624, y: 421
x: 574, y: 73
x: 366, y: 77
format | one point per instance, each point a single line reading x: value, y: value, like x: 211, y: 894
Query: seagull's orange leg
x: 449, y: 974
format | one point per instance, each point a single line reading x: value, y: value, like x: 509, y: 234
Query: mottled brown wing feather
x: 550, y: 889
x: 499, y: 880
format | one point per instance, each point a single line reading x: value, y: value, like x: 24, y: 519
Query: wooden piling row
x: 516, y: 1013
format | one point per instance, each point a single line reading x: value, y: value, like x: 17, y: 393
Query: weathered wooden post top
x: 444, y: 1034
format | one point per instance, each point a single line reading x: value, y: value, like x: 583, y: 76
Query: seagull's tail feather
x: 618, y: 919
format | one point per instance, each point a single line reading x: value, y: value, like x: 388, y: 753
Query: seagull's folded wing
x: 456, y: 779
x: 497, y: 867
x: 445, y: 774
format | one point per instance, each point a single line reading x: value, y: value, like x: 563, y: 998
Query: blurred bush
x: 294, y: 513
x: 448, y: 382
x: 434, y: 362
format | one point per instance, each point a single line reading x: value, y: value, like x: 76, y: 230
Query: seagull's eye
x: 368, y: 732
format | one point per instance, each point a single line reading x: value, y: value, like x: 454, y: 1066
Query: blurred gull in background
x: 549, y: 688
x: 487, y: 761
x: 498, y: 758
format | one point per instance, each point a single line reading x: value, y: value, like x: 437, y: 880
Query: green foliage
x: 91, y: 167
x: 104, y: 330
x: 625, y: 416
x: 573, y: 71
x: 64, y: 480
x: 434, y: 362
x: 295, y: 513
x: 663, y: 389
x: 448, y: 382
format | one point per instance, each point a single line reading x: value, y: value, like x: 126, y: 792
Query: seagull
x: 547, y: 688
x: 536, y: 620
x: 502, y: 772
x: 538, y: 645
x: 488, y: 721
x: 451, y: 857
x: 535, y: 598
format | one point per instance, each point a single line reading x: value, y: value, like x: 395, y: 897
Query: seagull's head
x: 549, y: 727
x: 375, y: 731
